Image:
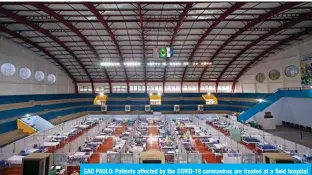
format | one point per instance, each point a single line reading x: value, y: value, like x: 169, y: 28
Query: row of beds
x: 257, y: 142
x: 202, y: 136
x: 165, y: 141
x: 180, y: 133
x: 138, y: 144
x: 53, y: 143
x: 260, y: 145
x: 92, y: 145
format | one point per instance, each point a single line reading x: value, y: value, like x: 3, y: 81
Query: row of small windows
x: 172, y: 88
x: 8, y: 69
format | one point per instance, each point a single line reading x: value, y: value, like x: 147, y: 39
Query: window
x: 25, y: 73
x: 83, y: 88
x: 51, y: 78
x: 39, y: 75
x: 224, y: 88
x: 99, y: 89
x: 136, y: 88
x: 120, y: 88
x: 106, y: 89
x: 209, y: 88
x: 172, y: 88
x: 8, y: 69
x: 89, y: 88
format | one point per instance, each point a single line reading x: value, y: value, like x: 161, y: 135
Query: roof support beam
x: 60, y: 18
x: 143, y: 42
x: 16, y: 35
x: 254, y: 22
x: 23, y: 20
x: 213, y: 26
x: 176, y: 30
x: 152, y: 20
x: 96, y: 13
x: 270, y: 33
x: 272, y: 48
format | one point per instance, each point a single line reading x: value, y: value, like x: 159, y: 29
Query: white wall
x: 279, y: 61
x: 21, y: 57
x: 294, y: 110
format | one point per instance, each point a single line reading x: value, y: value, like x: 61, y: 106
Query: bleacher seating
x: 188, y: 102
x: 53, y: 105
x: 47, y: 106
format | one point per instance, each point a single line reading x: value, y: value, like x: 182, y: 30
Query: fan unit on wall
x: 127, y: 108
x: 176, y: 108
x: 103, y: 108
x: 200, y: 107
x: 147, y: 108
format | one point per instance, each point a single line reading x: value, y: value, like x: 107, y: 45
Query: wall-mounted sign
x: 163, y: 52
x: 291, y: 71
x: 306, y: 71
x: 260, y: 77
x: 274, y: 74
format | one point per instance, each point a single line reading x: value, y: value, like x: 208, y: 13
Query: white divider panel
x: 280, y: 142
x: 19, y: 146
x: 303, y: 150
x: 241, y: 149
x: 7, y: 151
x: 234, y: 145
x: 269, y: 138
x: 180, y: 158
x: 290, y: 146
x: 274, y: 140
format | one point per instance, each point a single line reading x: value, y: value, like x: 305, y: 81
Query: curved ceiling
x: 78, y: 37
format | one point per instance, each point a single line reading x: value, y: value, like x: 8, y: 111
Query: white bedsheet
x: 50, y: 144
x: 16, y: 159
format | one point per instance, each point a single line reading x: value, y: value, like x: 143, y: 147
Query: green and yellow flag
x: 163, y: 52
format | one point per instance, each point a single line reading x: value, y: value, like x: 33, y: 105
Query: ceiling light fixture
x: 109, y: 64
x: 174, y: 64
x: 132, y: 64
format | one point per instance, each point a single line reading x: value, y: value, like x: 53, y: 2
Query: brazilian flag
x: 163, y: 52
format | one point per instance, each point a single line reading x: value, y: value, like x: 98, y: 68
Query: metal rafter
x: 213, y: 26
x: 23, y: 20
x: 272, y: 32
x: 96, y: 13
x: 61, y: 19
x: 151, y: 20
x: 271, y: 49
x: 26, y: 40
x: 152, y: 9
x: 138, y: 34
x: 175, y: 32
x: 256, y: 21
x: 143, y: 41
